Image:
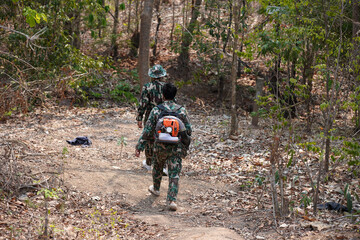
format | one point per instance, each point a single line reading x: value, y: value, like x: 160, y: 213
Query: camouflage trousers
x: 149, y: 152
x: 174, y: 161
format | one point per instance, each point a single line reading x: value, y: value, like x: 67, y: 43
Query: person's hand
x: 140, y: 124
x: 137, y: 153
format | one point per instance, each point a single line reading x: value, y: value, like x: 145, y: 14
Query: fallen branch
x: 30, y: 39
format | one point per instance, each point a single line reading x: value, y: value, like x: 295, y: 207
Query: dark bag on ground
x: 84, y: 141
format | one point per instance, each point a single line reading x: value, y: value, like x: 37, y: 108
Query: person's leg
x: 174, y: 166
x: 149, y: 153
x: 158, y: 165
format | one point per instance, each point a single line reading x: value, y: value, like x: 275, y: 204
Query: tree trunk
x: 355, y: 18
x: 173, y: 23
x: 184, y: 57
x: 307, y: 79
x: 233, y: 122
x: 157, y: 8
x: 273, y: 162
x: 229, y: 27
x: 355, y: 34
x: 259, y: 88
x: 114, y: 45
x: 137, y: 6
x: 145, y: 28
x: 100, y: 25
x: 76, y: 29
x: 129, y: 17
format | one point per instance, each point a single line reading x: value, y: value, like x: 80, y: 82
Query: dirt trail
x: 212, y: 205
x: 104, y: 169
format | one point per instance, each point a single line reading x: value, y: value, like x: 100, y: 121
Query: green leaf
x: 346, y: 190
x: 323, y: 106
x: 290, y: 160
x: 31, y: 21
x: 349, y: 202
x: 122, y: 6
x: 37, y: 18
x: 91, y: 18
x: 44, y: 17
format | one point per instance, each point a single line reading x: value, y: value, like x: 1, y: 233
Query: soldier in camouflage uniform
x: 171, y: 154
x: 151, y: 96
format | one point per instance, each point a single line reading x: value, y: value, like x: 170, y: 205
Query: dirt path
x: 104, y: 169
x: 215, y: 199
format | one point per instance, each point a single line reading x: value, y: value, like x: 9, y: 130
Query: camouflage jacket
x: 151, y: 96
x: 148, y: 133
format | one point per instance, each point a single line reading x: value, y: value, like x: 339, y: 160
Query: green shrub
x: 124, y: 92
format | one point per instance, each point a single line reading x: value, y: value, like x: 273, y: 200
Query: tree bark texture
x: 145, y: 28
x: 157, y: 8
x: 273, y: 162
x: 355, y: 18
x: 234, y: 122
x: 229, y: 26
x: 184, y: 57
x: 259, y: 88
x: 129, y: 17
x: 114, y: 45
x: 355, y: 41
x: 76, y: 29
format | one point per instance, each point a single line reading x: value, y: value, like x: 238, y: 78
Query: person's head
x: 169, y: 91
x: 157, y: 71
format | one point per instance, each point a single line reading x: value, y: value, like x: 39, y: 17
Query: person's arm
x: 147, y: 133
x: 150, y: 125
x: 143, y: 103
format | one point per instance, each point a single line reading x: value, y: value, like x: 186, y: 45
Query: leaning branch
x: 30, y: 39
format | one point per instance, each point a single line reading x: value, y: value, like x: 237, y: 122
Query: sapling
x: 122, y: 141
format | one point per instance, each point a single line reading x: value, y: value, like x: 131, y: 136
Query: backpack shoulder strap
x: 161, y: 107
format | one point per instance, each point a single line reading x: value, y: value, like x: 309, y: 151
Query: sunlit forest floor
x: 102, y: 190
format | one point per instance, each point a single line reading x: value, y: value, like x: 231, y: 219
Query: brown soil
x: 110, y: 174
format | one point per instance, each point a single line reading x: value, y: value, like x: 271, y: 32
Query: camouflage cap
x: 157, y: 71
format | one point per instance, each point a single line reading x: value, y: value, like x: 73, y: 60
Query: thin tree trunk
x: 99, y: 20
x: 114, y: 45
x: 129, y: 17
x: 355, y: 18
x: 355, y: 34
x: 307, y: 79
x: 76, y: 28
x: 145, y: 27
x: 157, y: 8
x: 273, y: 161
x: 137, y: 6
x: 184, y: 57
x: 46, y: 223
x: 259, y: 88
x: 233, y: 121
x: 173, y: 23
x: 229, y: 26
